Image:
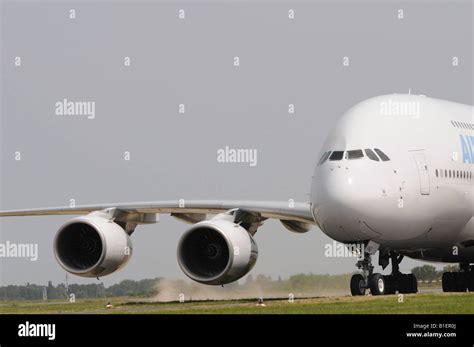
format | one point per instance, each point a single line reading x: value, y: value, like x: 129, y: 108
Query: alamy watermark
x: 66, y: 107
x: 344, y: 250
x: 19, y: 250
x: 237, y: 155
x: 28, y: 329
x: 400, y: 108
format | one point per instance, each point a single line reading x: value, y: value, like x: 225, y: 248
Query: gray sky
x: 190, y: 61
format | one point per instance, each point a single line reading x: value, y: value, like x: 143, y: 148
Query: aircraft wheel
x: 412, y: 283
x: 471, y: 281
x: 461, y: 281
x: 377, y: 284
x: 357, y: 285
x: 404, y: 284
x: 448, y: 282
x: 391, y: 284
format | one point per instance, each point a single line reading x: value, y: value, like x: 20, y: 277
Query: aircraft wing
x: 282, y: 210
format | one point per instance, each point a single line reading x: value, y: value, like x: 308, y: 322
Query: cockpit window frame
x: 351, y: 152
x: 371, y: 154
x: 336, y: 158
x: 374, y: 154
x: 324, y: 157
x: 381, y: 154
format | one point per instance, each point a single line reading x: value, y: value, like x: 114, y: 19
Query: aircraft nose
x: 334, y: 188
x: 339, y: 197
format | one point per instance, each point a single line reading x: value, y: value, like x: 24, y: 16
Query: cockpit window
x: 370, y: 153
x: 324, y: 157
x: 336, y: 155
x: 381, y: 154
x: 373, y: 154
x: 355, y: 154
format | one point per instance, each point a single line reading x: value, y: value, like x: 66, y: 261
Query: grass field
x: 437, y: 303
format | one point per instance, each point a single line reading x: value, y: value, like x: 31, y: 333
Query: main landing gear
x: 459, y: 281
x: 380, y: 284
x: 398, y: 282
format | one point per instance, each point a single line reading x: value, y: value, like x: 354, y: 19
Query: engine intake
x: 217, y: 252
x: 92, y: 246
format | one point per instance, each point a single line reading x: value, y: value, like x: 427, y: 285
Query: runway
x: 429, y: 302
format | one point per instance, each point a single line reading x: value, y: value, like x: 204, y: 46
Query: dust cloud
x: 180, y: 290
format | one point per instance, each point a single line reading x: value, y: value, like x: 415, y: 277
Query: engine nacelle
x: 216, y: 251
x: 92, y: 246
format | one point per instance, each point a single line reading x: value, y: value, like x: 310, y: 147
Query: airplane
x: 394, y: 177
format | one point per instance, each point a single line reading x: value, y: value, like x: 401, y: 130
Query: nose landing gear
x: 380, y: 284
x: 367, y: 280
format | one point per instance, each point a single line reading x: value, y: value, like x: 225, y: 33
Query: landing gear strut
x: 380, y: 284
x: 459, y: 281
x: 367, y: 280
x: 396, y: 281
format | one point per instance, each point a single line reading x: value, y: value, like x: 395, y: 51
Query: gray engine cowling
x: 92, y: 246
x: 216, y: 251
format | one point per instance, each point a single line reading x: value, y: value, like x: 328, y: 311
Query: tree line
x: 145, y: 287
x: 307, y: 283
x: 428, y: 273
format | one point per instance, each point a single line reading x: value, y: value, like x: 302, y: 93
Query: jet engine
x: 217, y: 251
x: 92, y: 246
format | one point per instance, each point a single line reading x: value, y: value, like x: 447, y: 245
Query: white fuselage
x: 419, y: 202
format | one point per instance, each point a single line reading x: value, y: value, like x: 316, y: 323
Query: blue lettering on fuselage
x: 467, y: 146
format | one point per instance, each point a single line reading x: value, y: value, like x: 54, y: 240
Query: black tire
x: 461, y: 281
x: 471, y: 281
x: 412, y: 283
x: 448, y: 282
x: 403, y: 284
x: 391, y: 284
x: 453, y: 281
x: 377, y: 284
x: 357, y: 285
